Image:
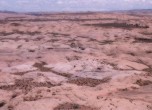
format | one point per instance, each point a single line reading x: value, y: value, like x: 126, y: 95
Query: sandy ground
x: 76, y: 61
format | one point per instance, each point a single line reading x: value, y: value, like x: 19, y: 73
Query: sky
x: 72, y: 5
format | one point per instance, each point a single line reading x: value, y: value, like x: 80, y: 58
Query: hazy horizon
x: 73, y: 5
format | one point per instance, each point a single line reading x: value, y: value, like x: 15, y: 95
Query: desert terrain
x: 76, y: 61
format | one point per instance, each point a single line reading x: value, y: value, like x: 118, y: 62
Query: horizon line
x: 9, y: 11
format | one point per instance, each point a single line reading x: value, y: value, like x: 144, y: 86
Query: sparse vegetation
x: 2, y: 103
x: 20, y: 73
x: 32, y: 98
x: 15, y: 24
x: 41, y: 67
x: 25, y: 85
x: 19, y: 32
x: 146, y: 33
x: 117, y: 25
x: 72, y: 106
x: 106, y: 42
x: 89, y: 81
x: 141, y: 82
x: 143, y: 40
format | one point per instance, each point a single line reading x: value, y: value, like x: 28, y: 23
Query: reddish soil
x: 76, y: 61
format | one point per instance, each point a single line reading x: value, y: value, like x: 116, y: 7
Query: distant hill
x: 135, y: 11
x: 141, y: 10
x: 8, y: 12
